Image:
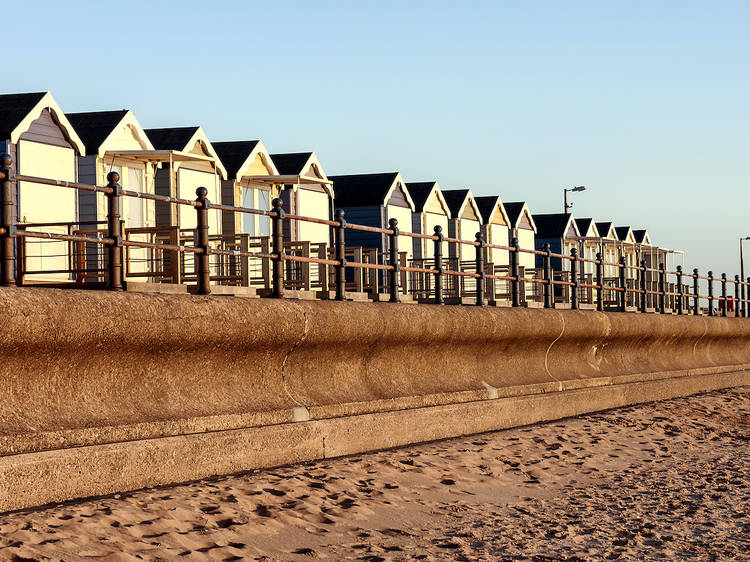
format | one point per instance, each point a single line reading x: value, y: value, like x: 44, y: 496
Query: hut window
x: 248, y: 220
x: 135, y: 204
x: 264, y: 203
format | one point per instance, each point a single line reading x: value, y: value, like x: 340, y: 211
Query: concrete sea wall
x: 105, y: 392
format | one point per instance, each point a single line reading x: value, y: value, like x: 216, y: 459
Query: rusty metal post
x: 696, y: 289
x: 547, y: 273
x: 340, y: 241
x: 7, y: 239
x: 277, y: 236
x: 680, y: 291
x: 439, y: 299
x: 737, y: 296
x: 481, y: 280
x: 711, y: 293
x: 114, y: 231
x: 574, y: 279
x: 393, y: 261
x: 642, y: 271
x: 202, y: 266
x: 515, y: 273
x: 599, y: 282
x: 623, y: 285
x: 662, y: 289
x: 724, y: 294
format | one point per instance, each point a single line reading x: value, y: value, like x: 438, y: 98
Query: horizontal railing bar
x: 65, y: 237
x: 62, y: 183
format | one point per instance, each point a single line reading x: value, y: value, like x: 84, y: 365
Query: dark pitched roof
x: 487, y: 205
x: 362, y: 190
x: 95, y: 126
x: 640, y: 235
x: 584, y: 225
x: 552, y: 225
x: 171, y: 138
x: 13, y: 109
x: 514, y: 209
x: 419, y: 192
x: 291, y: 163
x: 233, y: 154
x: 455, y: 198
x: 622, y: 232
x: 603, y: 228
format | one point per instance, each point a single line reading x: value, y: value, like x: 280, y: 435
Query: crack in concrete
x: 297, y: 415
x: 546, y: 355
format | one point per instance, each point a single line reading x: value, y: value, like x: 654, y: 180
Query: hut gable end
x: 398, y: 197
x: 44, y: 129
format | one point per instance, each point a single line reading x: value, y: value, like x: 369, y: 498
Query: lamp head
x: 579, y: 188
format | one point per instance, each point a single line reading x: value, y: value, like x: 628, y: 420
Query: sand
x: 666, y: 480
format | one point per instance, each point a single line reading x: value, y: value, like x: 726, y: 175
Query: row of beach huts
x: 84, y: 147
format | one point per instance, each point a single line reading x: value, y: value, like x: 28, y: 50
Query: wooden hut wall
x: 497, y: 233
x: 527, y: 240
x: 398, y: 207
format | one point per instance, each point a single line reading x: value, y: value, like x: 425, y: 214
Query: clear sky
x: 647, y: 103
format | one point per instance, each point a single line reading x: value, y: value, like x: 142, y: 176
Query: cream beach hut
x: 42, y: 143
x: 115, y: 141
x: 464, y: 223
x: 191, y: 162
x: 495, y: 224
x: 430, y: 210
x: 523, y: 228
x: 609, y: 249
x: 589, y: 244
x: 250, y: 183
x: 628, y: 248
x: 307, y: 191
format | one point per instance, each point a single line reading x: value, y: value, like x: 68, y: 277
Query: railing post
x: 737, y: 296
x: 696, y: 289
x: 439, y: 265
x: 746, y: 308
x: 662, y: 289
x: 7, y: 267
x: 680, y: 291
x: 480, y: 269
x: 202, y: 269
x: 515, y: 297
x: 114, y: 231
x: 547, y: 274
x: 277, y: 235
x: 574, y: 279
x: 599, y: 282
x: 711, y: 293
x: 642, y: 271
x: 393, y: 261
x: 623, y: 285
x: 724, y: 294
x: 340, y: 241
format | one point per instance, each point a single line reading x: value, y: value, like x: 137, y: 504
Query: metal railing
x: 635, y: 288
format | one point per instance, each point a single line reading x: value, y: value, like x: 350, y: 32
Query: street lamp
x: 567, y: 205
x: 742, y: 277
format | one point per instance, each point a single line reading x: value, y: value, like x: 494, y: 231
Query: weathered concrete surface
x: 240, y: 379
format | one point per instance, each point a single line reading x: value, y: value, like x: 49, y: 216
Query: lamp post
x: 742, y: 277
x: 566, y: 205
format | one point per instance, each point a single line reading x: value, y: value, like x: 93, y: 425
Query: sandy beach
x: 666, y: 480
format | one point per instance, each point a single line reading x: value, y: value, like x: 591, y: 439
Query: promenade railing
x: 196, y: 256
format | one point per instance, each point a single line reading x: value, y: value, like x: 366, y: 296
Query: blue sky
x: 644, y: 102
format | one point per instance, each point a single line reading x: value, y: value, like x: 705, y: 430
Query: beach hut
x: 307, y: 191
x: 430, y: 210
x: 249, y: 183
x: 465, y: 221
x: 523, y: 228
x: 114, y: 141
x: 192, y: 163
x: 42, y: 143
x: 628, y: 248
x: 372, y: 200
x: 495, y: 224
x: 589, y: 244
x: 559, y: 230
x: 609, y: 249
